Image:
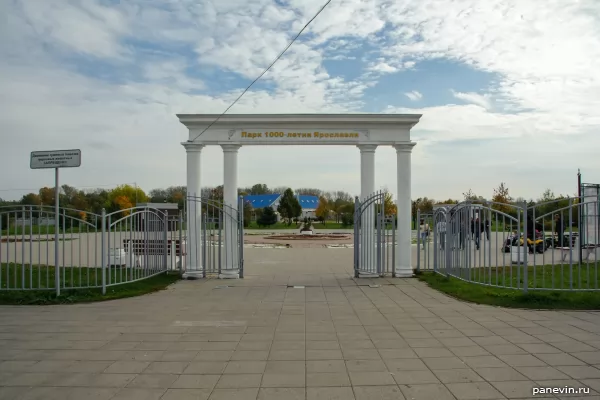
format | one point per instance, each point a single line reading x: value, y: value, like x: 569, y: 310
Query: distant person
x: 424, y: 228
x: 560, y: 229
x: 441, y: 230
x: 487, y: 228
x: 472, y: 228
x: 476, y: 226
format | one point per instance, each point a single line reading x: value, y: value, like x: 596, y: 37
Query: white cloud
x: 414, y: 95
x: 543, y: 54
x: 480, y: 100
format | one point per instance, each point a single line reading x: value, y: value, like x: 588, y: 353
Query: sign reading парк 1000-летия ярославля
x: 267, y: 135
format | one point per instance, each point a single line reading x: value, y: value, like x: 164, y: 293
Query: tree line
x: 332, y: 204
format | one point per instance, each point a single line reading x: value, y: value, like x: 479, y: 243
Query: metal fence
x: 82, y: 250
x: 544, y: 246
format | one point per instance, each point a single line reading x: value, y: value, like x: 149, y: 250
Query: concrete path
x: 262, y: 338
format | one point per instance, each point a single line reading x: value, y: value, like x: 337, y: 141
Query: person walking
x: 424, y: 229
x: 441, y: 230
x: 477, y: 231
x: 487, y: 228
x: 560, y: 230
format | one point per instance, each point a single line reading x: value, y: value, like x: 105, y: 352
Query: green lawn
x: 540, y: 277
x: 43, y: 277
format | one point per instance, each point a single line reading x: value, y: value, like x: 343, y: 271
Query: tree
x: 247, y: 213
x: 502, y: 199
x: 322, y: 211
x: 389, y: 207
x: 30, y: 199
x: 289, y: 206
x: 46, y: 196
x: 267, y: 218
x: 259, y: 188
x: 309, y: 192
x: 124, y: 204
x: 133, y: 194
x: 470, y: 196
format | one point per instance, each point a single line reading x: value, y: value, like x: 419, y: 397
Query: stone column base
x: 368, y: 275
x: 229, y: 274
x: 404, y: 272
x: 193, y: 274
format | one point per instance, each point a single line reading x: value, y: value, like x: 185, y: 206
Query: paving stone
x: 426, y: 391
x: 166, y: 367
x: 245, y: 367
x: 186, y: 394
x: 444, y: 363
x: 153, y: 381
x: 473, y: 391
x: 325, y: 366
x: 59, y: 393
x: 543, y: 373
x: 516, y: 389
x: 589, y: 357
x: 501, y: 374
x: 329, y: 393
x: 236, y: 381
x: 215, y: 355
x: 371, y: 378
x: 366, y: 366
x: 415, y: 377
x: 287, y: 380
x: 282, y: 394
x: 522, y: 360
x: 392, y: 392
x: 234, y: 394
x: 195, y: 381
x: 464, y: 375
x: 205, y: 367
x: 483, y: 362
x: 580, y: 372
x: 139, y: 394
x: 327, y: 379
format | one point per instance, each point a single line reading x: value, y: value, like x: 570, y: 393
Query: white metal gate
x: 374, y: 238
x: 215, y: 233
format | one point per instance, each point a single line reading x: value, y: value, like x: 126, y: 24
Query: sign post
x: 55, y: 159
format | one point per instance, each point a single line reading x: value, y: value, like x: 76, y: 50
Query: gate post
x: 379, y: 269
x: 241, y: 232
x: 168, y: 256
x: 418, y: 240
x: 449, y: 244
x: 356, y: 235
x: 525, y: 248
x: 103, y: 251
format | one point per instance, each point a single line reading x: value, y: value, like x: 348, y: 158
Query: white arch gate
x: 365, y: 131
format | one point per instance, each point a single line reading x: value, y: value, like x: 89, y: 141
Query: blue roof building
x: 308, y: 203
x: 262, y: 200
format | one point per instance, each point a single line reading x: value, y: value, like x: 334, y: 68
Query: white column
x: 404, y: 237
x: 367, y: 254
x: 193, y: 245
x: 230, y: 268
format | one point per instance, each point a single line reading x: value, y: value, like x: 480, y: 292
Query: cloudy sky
x: 509, y: 89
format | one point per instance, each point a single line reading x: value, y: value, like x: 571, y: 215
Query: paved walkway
x: 262, y: 338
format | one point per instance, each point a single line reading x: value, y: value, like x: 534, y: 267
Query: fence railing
x: 82, y: 250
x: 546, y: 246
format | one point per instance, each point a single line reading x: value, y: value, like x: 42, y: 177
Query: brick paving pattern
x: 262, y: 338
